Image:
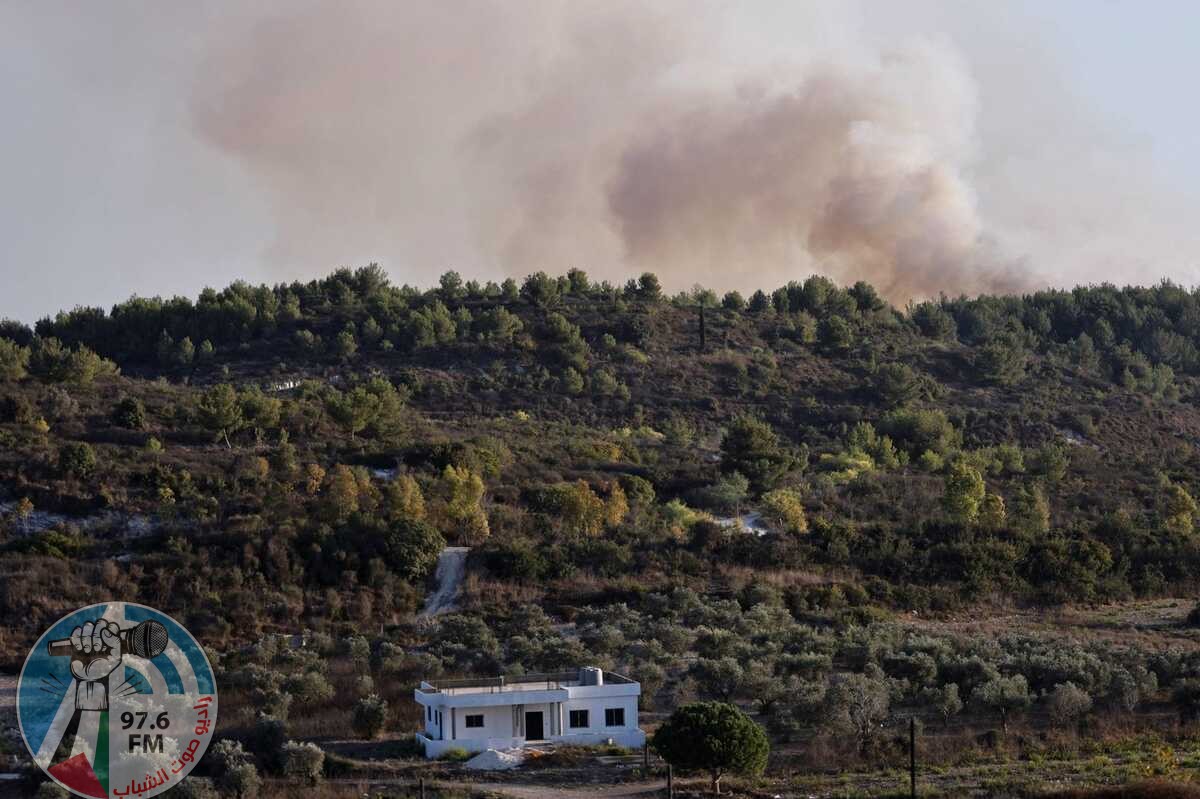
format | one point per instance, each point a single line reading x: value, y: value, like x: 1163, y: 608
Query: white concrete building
x: 587, y: 706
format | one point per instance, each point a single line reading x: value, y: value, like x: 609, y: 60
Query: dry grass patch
x: 1152, y: 789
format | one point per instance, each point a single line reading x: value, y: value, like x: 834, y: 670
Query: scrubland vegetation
x: 939, y: 489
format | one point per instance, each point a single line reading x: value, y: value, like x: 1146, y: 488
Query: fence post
x: 421, y: 785
x: 646, y: 757
x: 670, y: 783
x: 912, y: 756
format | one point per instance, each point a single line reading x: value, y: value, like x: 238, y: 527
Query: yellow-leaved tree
x: 964, y: 492
x: 1180, y: 511
x: 784, y: 509
x: 404, y: 499
x: 457, y: 505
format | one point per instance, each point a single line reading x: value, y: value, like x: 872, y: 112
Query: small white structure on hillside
x: 587, y: 706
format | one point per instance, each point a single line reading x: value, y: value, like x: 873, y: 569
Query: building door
x: 533, y: 726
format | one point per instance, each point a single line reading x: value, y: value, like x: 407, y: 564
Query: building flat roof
x: 516, y: 682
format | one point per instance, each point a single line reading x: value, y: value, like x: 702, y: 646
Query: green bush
x: 130, y: 413
x: 309, y: 688
x: 369, y: 716
x: 77, y: 459
x: 303, y: 760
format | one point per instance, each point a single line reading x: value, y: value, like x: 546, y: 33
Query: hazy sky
x: 927, y: 146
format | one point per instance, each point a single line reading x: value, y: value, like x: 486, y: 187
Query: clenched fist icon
x: 97, y: 651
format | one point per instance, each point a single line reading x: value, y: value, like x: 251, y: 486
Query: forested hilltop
x: 768, y: 482
x: 1039, y: 446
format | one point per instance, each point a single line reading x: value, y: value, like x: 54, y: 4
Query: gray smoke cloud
x: 921, y: 145
x: 544, y: 136
x: 857, y: 171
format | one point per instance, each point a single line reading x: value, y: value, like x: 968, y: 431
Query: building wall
x: 439, y: 748
x: 596, y: 706
x: 430, y: 721
x: 631, y: 739
x: 497, y: 722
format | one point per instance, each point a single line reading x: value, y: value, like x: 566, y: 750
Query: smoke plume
x: 855, y: 171
x: 924, y: 146
x: 535, y: 136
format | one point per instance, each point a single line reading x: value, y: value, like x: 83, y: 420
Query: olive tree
x: 945, y: 700
x: 1004, y: 695
x: 859, y: 703
x: 303, y: 760
x: 1068, y: 703
x: 369, y: 716
x: 1186, y: 696
x: 718, y: 678
x: 236, y: 774
x: 309, y: 687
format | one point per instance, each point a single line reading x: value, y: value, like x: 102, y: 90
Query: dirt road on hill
x: 451, y: 568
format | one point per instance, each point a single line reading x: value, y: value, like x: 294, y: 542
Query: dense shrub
x: 369, y: 716
x: 713, y: 737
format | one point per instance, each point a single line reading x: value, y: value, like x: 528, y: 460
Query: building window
x: 474, y: 720
x: 614, y: 717
x: 579, y: 718
x: 429, y: 714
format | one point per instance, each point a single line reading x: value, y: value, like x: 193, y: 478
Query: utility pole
x: 422, y: 786
x: 670, y: 783
x: 912, y: 756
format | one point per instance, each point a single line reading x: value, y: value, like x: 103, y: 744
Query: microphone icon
x: 147, y: 640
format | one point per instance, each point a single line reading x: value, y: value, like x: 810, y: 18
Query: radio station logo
x: 117, y: 700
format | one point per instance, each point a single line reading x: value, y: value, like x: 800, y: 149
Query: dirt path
x: 451, y: 568
x: 750, y: 522
x: 642, y: 789
x: 645, y: 790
